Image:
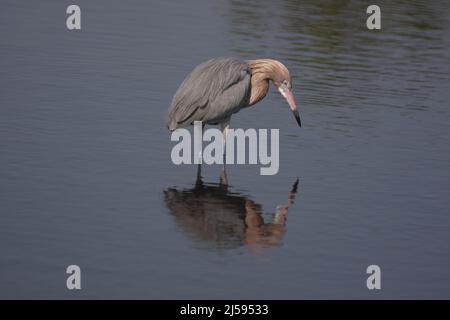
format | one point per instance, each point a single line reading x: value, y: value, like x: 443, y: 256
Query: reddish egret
x: 217, y: 88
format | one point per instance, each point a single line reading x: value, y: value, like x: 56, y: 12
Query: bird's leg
x: 200, y: 158
x: 200, y: 154
x: 223, y: 180
x: 224, y: 128
x: 199, y: 174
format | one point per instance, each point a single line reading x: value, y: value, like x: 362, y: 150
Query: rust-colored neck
x: 262, y: 71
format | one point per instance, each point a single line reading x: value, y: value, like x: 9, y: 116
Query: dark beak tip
x: 297, y: 118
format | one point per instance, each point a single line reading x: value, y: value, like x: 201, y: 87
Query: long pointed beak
x: 287, y: 94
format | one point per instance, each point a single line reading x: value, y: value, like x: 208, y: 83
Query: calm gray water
x: 86, y: 176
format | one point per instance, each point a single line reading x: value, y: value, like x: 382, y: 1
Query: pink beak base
x: 291, y: 102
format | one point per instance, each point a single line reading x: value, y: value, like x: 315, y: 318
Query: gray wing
x: 211, y: 92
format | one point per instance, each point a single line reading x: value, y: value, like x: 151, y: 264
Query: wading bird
x: 217, y: 88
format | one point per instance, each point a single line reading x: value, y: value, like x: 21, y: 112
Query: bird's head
x: 270, y: 69
x: 282, y: 79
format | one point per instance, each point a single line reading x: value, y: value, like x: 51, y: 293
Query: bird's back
x: 210, y: 93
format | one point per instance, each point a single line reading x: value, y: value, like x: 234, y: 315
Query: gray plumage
x: 211, y: 93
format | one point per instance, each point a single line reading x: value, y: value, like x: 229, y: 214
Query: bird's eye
x: 285, y: 82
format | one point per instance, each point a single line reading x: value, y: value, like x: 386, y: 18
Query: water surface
x: 86, y: 176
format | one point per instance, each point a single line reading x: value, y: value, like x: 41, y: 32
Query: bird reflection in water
x: 214, y: 216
